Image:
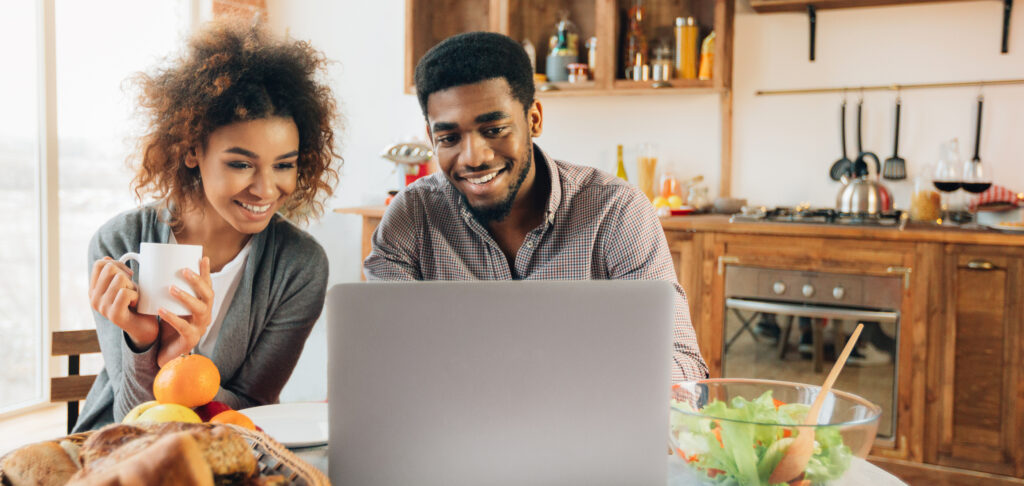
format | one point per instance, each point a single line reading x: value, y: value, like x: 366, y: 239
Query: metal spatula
x: 895, y: 167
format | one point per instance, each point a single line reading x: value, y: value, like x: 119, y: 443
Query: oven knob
x: 779, y: 288
x: 838, y: 293
x: 808, y: 290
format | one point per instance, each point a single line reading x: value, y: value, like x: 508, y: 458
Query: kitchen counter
x: 913, y: 232
x: 717, y: 223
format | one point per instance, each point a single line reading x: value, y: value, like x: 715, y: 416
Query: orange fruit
x: 188, y: 380
x: 233, y: 417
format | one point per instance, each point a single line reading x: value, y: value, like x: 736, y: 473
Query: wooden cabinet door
x: 981, y: 394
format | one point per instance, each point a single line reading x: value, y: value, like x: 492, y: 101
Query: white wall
x: 783, y: 145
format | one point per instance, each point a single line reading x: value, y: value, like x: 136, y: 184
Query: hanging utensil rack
x: 889, y: 87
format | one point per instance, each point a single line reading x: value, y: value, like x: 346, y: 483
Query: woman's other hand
x: 113, y: 294
x: 180, y: 335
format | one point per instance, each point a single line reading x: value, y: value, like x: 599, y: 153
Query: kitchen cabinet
x: 429, y: 22
x: 976, y: 381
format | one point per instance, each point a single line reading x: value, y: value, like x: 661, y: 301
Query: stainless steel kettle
x: 862, y: 194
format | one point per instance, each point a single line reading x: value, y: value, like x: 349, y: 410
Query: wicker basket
x: 272, y: 458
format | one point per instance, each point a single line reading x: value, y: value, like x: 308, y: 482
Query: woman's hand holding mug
x: 174, y: 283
x: 113, y: 294
x: 180, y: 335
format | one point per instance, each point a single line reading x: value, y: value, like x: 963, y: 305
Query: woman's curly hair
x: 233, y: 72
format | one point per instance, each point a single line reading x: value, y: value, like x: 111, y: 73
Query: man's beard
x: 499, y: 211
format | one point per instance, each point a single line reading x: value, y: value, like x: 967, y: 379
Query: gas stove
x: 807, y: 215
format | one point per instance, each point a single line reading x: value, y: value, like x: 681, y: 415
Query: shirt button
x: 529, y: 244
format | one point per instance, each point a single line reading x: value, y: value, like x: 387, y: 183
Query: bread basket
x: 272, y: 458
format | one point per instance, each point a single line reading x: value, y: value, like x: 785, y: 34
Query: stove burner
x: 805, y: 214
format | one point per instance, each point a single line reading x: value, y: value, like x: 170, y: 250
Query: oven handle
x: 813, y: 311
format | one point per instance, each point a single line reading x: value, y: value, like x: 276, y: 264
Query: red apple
x: 210, y: 410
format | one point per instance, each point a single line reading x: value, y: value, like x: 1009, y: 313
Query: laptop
x: 499, y: 383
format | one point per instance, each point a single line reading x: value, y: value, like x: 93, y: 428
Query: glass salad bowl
x: 735, y: 431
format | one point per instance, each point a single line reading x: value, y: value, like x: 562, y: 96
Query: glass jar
x: 578, y: 72
x: 563, y: 49
x: 925, y: 201
x: 646, y: 164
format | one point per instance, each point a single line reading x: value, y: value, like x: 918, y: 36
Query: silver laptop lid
x: 533, y: 382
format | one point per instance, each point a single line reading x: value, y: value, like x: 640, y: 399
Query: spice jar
x: 578, y: 72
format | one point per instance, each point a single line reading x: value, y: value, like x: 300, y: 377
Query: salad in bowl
x: 735, y: 431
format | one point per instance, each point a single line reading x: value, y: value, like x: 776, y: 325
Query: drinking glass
x: 646, y: 163
x: 977, y: 178
x: 947, y: 179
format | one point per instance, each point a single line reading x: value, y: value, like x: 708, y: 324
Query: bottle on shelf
x: 592, y: 55
x: 686, y: 32
x: 635, y: 52
x: 707, y: 57
x: 531, y: 52
x: 620, y: 171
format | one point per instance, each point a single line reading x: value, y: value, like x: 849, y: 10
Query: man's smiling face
x: 482, y: 138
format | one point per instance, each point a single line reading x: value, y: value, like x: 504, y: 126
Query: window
x: 99, y: 45
x: 20, y: 303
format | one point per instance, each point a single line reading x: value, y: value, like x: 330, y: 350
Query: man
x: 500, y: 208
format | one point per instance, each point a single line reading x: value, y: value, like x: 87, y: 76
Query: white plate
x: 1012, y: 229
x: 302, y: 424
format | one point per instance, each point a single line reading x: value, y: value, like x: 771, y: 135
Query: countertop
x: 718, y: 223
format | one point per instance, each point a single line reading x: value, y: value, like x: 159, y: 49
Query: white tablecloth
x: 861, y: 472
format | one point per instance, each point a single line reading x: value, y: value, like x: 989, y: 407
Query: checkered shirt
x: 597, y: 227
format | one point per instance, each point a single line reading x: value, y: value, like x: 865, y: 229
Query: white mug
x: 160, y: 266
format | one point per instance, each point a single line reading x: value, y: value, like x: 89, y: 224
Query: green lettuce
x: 737, y: 453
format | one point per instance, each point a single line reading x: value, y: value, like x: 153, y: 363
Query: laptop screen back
x: 530, y: 382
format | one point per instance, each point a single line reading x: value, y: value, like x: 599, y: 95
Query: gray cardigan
x: 279, y: 298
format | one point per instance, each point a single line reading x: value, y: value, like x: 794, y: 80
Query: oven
x: 790, y: 325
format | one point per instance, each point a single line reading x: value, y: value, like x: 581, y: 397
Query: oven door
x: 799, y: 342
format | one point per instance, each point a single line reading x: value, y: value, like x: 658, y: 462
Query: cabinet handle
x: 980, y: 265
x: 723, y: 260
x: 901, y: 270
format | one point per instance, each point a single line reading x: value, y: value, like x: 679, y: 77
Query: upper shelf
x: 601, y: 19
x: 768, y: 6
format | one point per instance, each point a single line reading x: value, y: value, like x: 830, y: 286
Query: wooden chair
x: 73, y: 387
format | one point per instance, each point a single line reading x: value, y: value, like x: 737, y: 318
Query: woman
x: 239, y: 139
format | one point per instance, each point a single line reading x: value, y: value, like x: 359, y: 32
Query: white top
x: 225, y: 283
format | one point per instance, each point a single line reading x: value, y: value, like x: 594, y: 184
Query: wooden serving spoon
x: 799, y: 452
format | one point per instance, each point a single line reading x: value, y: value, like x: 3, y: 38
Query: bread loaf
x: 42, y: 464
x: 171, y: 460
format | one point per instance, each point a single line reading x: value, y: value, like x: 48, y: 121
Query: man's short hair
x: 471, y: 58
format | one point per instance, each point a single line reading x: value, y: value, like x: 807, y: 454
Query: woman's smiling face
x: 249, y: 169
